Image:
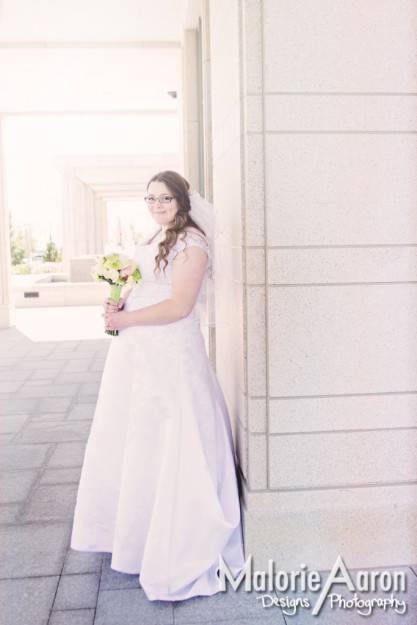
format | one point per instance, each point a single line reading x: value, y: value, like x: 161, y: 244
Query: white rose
x: 95, y: 276
x: 113, y: 275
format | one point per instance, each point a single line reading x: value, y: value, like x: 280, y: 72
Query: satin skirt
x: 158, y: 487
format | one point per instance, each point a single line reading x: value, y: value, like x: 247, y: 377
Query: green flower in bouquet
x: 118, y: 270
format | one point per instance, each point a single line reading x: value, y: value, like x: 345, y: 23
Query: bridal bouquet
x: 118, y: 270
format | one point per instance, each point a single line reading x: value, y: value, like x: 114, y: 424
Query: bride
x: 158, y: 487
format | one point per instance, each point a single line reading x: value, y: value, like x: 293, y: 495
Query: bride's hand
x: 117, y: 320
x: 111, y: 306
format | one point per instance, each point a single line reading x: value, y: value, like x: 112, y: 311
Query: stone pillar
x: 68, y: 232
x: 90, y: 233
x: 84, y: 220
x: 221, y: 56
x: 190, y: 109
x: 6, y: 306
x: 100, y: 221
x: 314, y: 172
x: 104, y: 223
x: 207, y: 136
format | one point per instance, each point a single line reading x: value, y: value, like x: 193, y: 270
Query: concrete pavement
x: 47, y: 400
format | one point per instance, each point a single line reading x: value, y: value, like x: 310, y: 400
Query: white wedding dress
x: 158, y: 486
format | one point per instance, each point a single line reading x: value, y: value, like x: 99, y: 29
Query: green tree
x: 17, y: 246
x: 51, y: 254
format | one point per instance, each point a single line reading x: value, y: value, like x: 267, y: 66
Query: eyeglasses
x: 163, y: 199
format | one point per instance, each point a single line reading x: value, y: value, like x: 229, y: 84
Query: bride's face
x: 162, y: 212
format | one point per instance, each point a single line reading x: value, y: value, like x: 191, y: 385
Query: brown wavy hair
x: 180, y: 189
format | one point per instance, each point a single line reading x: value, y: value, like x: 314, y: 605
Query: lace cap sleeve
x: 192, y: 238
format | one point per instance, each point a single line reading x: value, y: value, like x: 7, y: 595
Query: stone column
x: 190, y: 109
x: 100, y: 224
x: 90, y: 231
x: 104, y: 224
x: 207, y: 138
x: 314, y: 172
x: 68, y: 234
x: 6, y: 306
x: 84, y: 220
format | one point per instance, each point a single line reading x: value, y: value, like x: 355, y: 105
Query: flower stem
x: 115, y: 292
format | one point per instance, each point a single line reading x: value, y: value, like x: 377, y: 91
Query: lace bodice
x: 145, y: 254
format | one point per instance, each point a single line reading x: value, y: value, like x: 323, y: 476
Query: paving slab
x: 88, y: 399
x: 42, y: 344
x: 55, y: 432
x: 6, y: 362
x: 54, y: 502
x: 78, y: 366
x: 27, y: 601
x: 14, y: 350
x: 34, y: 365
x: 43, y: 374
x: 112, y: 580
x: 16, y: 485
x: 72, y: 617
x: 67, y: 344
x: 6, y: 439
x: 98, y: 364
x: 13, y: 346
x: 49, y: 416
x: 77, y: 591
x: 13, y: 415
x: 13, y: 338
x: 61, y: 476
x: 33, y: 550
x: 90, y: 388
x: 244, y: 621
x: 39, y: 353
x: 39, y: 382
x: 64, y: 354
x: 102, y: 350
x: 231, y: 604
x: 67, y: 455
x: 12, y: 423
x: 54, y: 404
x: 24, y: 456
x: 49, y: 390
x: 131, y: 607
x: 79, y: 377
x: 14, y: 374
x: 15, y: 405
x: 9, y: 513
x: 10, y: 386
x: 80, y: 412
x: 82, y: 562
x: 95, y: 344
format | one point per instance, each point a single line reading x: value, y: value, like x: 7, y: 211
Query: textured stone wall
x: 314, y: 152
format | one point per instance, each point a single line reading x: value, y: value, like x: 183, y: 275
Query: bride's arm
x: 187, y: 276
x: 122, y: 301
x: 110, y: 305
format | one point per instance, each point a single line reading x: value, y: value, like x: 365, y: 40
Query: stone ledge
x: 315, y: 526
x: 60, y: 294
